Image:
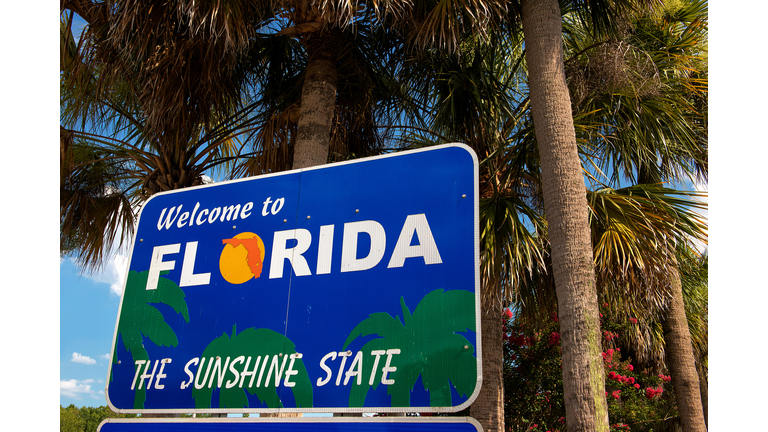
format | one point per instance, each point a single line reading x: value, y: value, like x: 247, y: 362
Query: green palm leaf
x: 431, y: 347
x: 634, y: 227
x: 139, y: 319
x: 271, y: 349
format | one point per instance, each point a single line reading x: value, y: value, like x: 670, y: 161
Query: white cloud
x: 76, y: 388
x: 702, y: 187
x: 117, y: 268
x: 79, y: 358
x: 105, y: 356
x: 113, y: 272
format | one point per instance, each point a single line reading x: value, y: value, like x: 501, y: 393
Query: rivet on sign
x: 349, y: 353
x: 285, y: 220
x: 281, y: 354
x: 307, y: 217
x: 466, y: 347
x: 464, y: 196
x: 234, y: 226
x: 119, y: 361
x: 357, y: 210
x: 141, y: 240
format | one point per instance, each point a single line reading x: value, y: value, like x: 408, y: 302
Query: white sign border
x: 429, y: 409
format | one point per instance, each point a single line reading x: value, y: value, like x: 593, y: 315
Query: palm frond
x: 637, y: 228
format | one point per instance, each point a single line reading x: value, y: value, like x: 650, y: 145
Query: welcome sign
x: 351, y: 287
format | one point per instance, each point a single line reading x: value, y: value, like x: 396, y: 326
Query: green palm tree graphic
x: 138, y: 318
x: 430, y: 346
x: 266, y: 353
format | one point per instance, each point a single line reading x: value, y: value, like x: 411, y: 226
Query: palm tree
x: 258, y: 345
x: 137, y: 311
x: 680, y: 358
x: 565, y: 205
x: 660, y: 136
x: 432, y: 348
x: 693, y: 268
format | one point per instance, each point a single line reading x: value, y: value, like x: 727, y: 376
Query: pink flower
x: 650, y: 393
x: 554, y: 338
x: 616, y: 394
x: 630, y: 367
x: 637, y: 386
x: 507, y: 313
x: 633, y: 320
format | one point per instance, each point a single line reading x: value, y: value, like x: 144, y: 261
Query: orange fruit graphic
x: 242, y: 258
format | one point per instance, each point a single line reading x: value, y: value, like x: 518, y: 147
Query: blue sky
x: 88, y: 309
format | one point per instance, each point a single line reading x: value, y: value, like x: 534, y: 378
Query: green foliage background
x: 85, y: 419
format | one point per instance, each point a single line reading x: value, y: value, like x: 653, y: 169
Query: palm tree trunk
x: 318, y: 99
x: 680, y: 359
x: 488, y: 408
x: 704, y: 390
x: 565, y: 204
x: 318, y: 106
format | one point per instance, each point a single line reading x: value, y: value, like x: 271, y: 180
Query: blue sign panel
x: 351, y: 287
x: 327, y: 424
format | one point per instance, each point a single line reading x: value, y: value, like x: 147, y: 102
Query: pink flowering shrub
x: 533, y: 384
